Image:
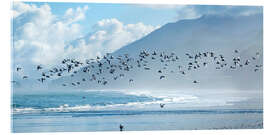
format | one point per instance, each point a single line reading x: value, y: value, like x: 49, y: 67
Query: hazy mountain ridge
x: 221, y: 34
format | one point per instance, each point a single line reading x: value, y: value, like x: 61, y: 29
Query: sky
x: 46, y: 33
x: 128, y: 14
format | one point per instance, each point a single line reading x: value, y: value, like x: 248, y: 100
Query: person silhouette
x: 161, y: 105
x: 121, y: 127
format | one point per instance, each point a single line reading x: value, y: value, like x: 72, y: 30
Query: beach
x: 105, y: 111
x: 138, y: 121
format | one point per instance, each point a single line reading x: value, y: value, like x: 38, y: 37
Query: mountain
x: 221, y: 34
x: 210, y: 32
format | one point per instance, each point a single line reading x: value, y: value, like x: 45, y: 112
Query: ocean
x: 105, y: 110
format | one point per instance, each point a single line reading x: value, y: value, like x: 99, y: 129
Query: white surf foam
x: 171, y: 100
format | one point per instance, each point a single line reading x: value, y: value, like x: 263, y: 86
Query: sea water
x: 105, y: 111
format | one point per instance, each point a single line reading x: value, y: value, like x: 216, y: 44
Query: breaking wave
x: 107, y: 101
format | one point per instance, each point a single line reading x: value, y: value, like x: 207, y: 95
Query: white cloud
x: 19, y: 8
x: 183, y: 11
x: 187, y: 12
x: 195, y: 11
x: 40, y: 37
x: 72, y: 15
x: 108, y: 36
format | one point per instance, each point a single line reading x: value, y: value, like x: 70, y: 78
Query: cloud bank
x: 195, y: 11
x: 108, y: 36
x: 41, y: 37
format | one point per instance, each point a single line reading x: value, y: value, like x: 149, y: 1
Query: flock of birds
x: 118, y: 66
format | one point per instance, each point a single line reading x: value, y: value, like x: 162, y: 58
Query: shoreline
x: 79, y: 122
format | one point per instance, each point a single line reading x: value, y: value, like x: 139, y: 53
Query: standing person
x: 121, y: 127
